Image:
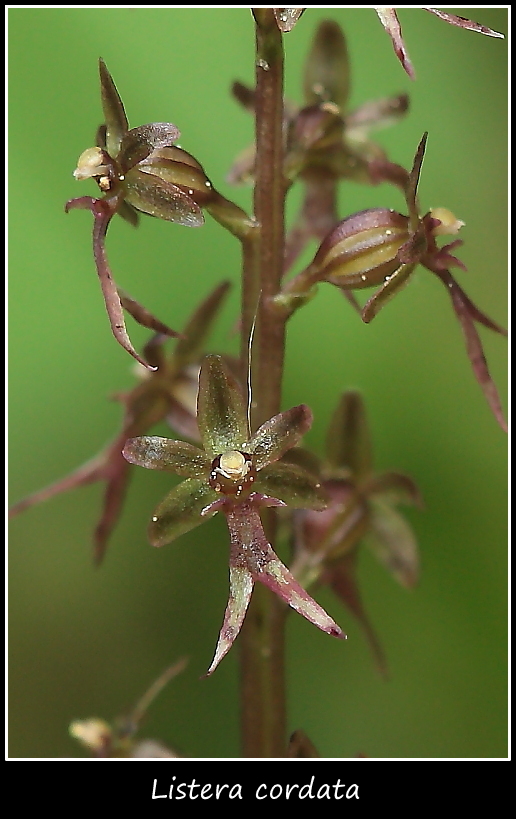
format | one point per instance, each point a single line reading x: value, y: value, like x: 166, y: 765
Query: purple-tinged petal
x: 242, y: 169
x: 389, y: 289
x: 393, y: 542
x: 154, y: 196
x: 391, y: 24
x: 352, y: 299
x: 190, y: 347
x: 180, y: 511
x: 153, y: 452
x: 240, y: 589
x: 394, y: 487
x: 463, y: 22
x: 250, y: 550
x: 114, y: 113
x: 144, y: 317
x: 221, y: 413
x: 341, y: 576
x: 118, y: 474
x: 348, y: 443
x: 291, y: 484
x: 326, y: 75
x: 84, y: 475
x: 279, y: 434
x: 103, y: 211
x: 376, y: 114
x: 265, y: 501
x: 467, y: 314
x: 287, y: 18
x: 139, y: 142
x: 301, y: 747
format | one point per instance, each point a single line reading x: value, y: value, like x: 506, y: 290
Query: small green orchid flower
x: 361, y: 509
x: 141, y: 170
x: 168, y: 393
x: 236, y: 473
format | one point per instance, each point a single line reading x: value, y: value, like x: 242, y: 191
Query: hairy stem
x: 262, y: 638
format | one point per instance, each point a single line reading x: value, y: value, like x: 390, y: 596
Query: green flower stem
x: 263, y: 712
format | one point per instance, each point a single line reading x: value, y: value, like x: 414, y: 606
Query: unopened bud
x: 362, y: 250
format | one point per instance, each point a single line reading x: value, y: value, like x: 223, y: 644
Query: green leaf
x: 114, y: 113
x: 348, y: 441
x: 221, y: 413
x: 154, y: 452
x: 152, y: 195
x: 279, y: 434
x: 180, y: 511
x: 292, y: 485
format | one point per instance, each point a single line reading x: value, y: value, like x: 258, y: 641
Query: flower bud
x: 177, y: 167
x: 362, y: 250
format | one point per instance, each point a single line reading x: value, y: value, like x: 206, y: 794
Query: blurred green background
x: 87, y: 642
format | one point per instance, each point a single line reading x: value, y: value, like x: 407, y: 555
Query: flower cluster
x: 238, y: 474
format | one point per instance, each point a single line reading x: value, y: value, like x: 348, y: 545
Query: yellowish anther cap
x: 90, y: 164
x: 91, y: 732
x: 450, y: 225
x: 233, y: 464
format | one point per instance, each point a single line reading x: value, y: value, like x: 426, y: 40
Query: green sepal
x: 291, y: 484
x: 348, y: 443
x: 180, y: 511
x: 154, y: 452
x: 279, y: 434
x: 221, y: 413
x: 392, y: 540
x: 114, y: 112
x: 152, y: 195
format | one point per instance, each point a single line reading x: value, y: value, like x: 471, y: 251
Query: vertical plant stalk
x: 263, y: 712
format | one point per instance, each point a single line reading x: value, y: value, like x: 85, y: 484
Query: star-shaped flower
x: 170, y: 392
x: 236, y: 473
x: 361, y: 509
x: 141, y: 170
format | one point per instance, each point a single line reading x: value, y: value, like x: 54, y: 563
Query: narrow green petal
x: 221, y: 413
x: 393, y: 542
x: 114, y: 113
x: 154, y: 452
x: 139, y: 142
x: 292, y: 485
x: 279, y: 434
x: 348, y: 443
x: 180, y: 511
x: 152, y: 195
